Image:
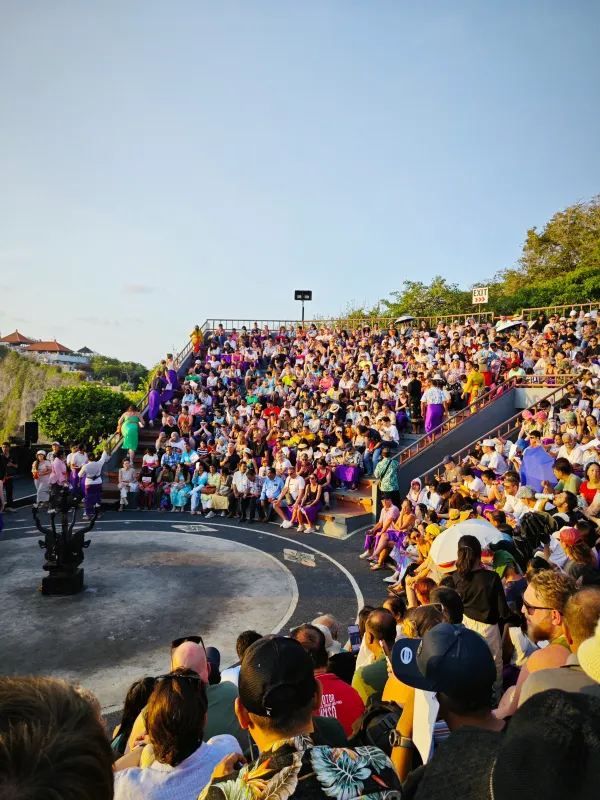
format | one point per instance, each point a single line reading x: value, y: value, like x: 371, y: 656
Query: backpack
x: 535, y: 530
x: 378, y: 719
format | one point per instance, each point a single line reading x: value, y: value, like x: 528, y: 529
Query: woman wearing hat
x: 582, y: 559
x: 41, y: 471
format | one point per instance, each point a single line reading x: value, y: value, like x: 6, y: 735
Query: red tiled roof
x: 16, y: 338
x: 47, y: 347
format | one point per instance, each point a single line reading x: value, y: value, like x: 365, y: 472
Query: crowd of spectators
x: 475, y: 678
x: 320, y: 401
x: 407, y: 706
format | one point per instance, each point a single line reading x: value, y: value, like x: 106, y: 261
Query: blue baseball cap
x: 450, y: 658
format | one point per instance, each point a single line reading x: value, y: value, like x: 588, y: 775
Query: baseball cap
x: 450, y: 658
x: 276, y: 677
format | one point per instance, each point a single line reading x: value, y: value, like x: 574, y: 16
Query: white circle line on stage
x: 360, y: 601
x: 293, y: 585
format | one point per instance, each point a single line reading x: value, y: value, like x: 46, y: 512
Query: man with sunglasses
x: 189, y: 652
x: 544, y: 604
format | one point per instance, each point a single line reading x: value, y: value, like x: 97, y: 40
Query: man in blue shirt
x: 270, y: 492
x: 171, y: 457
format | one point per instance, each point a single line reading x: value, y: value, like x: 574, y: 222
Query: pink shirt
x: 59, y: 472
x: 390, y: 515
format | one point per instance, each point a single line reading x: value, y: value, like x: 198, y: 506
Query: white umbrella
x: 509, y: 323
x: 444, y: 550
x: 403, y: 318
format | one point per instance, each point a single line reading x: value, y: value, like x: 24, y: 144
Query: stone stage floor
x: 150, y: 578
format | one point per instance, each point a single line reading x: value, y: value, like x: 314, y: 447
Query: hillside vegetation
x: 23, y: 383
x: 559, y: 264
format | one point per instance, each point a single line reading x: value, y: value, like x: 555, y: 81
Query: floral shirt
x: 299, y: 768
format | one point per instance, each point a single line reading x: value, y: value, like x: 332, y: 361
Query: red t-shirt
x: 340, y: 701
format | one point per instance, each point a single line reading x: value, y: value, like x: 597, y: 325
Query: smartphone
x: 354, y: 636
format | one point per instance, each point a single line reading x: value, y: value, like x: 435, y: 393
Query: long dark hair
x: 136, y: 699
x: 469, y: 554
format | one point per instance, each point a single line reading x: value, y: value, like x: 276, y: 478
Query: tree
x: 569, y: 242
x: 115, y: 372
x: 420, y: 299
x: 80, y: 413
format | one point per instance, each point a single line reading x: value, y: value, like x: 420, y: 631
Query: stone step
x: 339, y: 523
x: 359, y: 499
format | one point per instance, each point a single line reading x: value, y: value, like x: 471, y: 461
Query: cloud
x: 138, y: 288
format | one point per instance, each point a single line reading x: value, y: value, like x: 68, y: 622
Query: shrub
x: 79, y: 413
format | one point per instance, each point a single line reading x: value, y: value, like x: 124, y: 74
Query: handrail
x: 528, y: 313
x: 483, y: 401
x: 451, y: 422
x: 229, y: 323
x: 504, y: 429
x: 210, y: 325
x: 116, y: 438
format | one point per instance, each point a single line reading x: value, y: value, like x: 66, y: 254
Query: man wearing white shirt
x: 512, y: 505
x: 491, y: 458
x: 570, y: 450
x: 292, y: 490
x: 239, y: 486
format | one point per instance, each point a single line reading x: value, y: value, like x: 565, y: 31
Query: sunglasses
x: 173, y: 676
x: 530, y: 609
x: 195, y: 639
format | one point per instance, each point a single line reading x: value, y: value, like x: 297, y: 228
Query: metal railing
x: 114, y: 441
x: 504, y: 431
x: 382, y: 323
x: 452, y: 422
x: 561, y: 310
x: 483, y: 401
x: 352, y: 323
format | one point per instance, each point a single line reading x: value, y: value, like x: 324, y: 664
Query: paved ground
x: 152, y: 577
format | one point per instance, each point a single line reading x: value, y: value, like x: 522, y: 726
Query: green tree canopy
x: 79, y: 413
x: 559, y: 265
x: 115, y: 372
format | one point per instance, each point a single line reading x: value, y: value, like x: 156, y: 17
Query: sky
x: 166, y: 162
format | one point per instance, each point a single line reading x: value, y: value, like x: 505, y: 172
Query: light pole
x: 304, y: 295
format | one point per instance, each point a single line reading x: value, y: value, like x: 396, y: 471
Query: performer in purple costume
x: 432, y: 406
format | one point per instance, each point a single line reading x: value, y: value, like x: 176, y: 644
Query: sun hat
x: 589, y: 655
x: 502, y: 560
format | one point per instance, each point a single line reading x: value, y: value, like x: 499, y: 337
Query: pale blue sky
x: 164, y: 162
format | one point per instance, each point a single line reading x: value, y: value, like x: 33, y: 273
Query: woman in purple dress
x: 310, y: 505
x: 433, y: 403
x: 156, y: 387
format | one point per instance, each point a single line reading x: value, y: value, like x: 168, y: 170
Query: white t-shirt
x: 574, y: 457
x: 183, y: 782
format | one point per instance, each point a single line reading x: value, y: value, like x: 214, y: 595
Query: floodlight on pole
x: 305, y: 295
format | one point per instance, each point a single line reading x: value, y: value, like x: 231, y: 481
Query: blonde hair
x: 553, y: 588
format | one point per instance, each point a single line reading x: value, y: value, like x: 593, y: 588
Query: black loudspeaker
x: 31, y: 432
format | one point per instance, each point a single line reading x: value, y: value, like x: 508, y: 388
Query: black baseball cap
x: 450, y: 658
x: 276, y: 677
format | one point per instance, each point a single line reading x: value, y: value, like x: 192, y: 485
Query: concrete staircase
x: 349, y: 512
